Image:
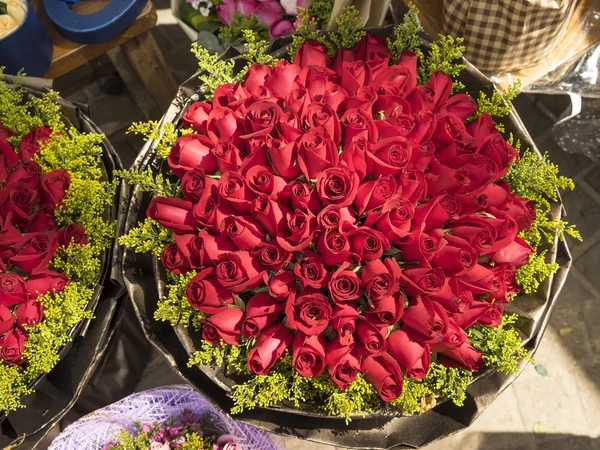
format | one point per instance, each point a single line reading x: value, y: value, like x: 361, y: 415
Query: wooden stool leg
x: 150, y: 66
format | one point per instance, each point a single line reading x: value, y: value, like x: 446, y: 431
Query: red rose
x: 334, y: 247
x: 227, y: 155
x: 245, y: 232
x: 190, y: 151
x: 222, y: 124
x: 364, y: 98
x: 195, y: 184
x: 464, y: 357
x: 261, y: 117
x: 402, y: 75
x: 460, y: 105
x: 454, y: 338
x: 29, y: 313
x: 522, y: 211
x: 436, y: 212
x: 261, y: 180
x: 356, y: 122
x: 482, y: 312
x: 8, y: 160
x: 189, y: 252
x: 34, y: 251
x: 72, y: 233
x: 269, y: 213
x: 308, y: 312
x: 172, y: 213
x: 205, y: 211
x: 334, y: 96
x: 344, y: 285
x: 225, y: 325
x: 498, y: 150
x: 308, y: 354
x: 413, y: 356
x: 375, y: 193
x: 367, y: 244
x: 355, y: 156
x: 321, y: 115
x: 337, y: 185
x: 422, y: 280
x: 270, y: 346
x: 414, y: 186
x: 18, y: 200
x: 173, y: 259
x: 284, y: 157
x: 316, y: 152
x: 420, y: 246
x: 455, y: 258
x: 454, y: 297
x: 353, y: 76
x: 311, y: 53
x: 343, y: 363
x: 516, y: 253
x: 298, y: 232
x: 371, y: 47
x: 332, y: 217
x: 305, y: 197
x: 386, y: 311
x: 12, y: 345
x: 261, y: 311
x: 31, y: 143
x: 343, y: 321
x: 233, y: 188
x: 239, y: 270
x: 232, y: 96
x: 7, y: 320
x: 394, y: 224
x: 282, y: 77
x: 196, y: 116
x: 206, y: 294
x: 273, y: 256
x: 370, y: 338
x: 427, y: 320
x: 311, y: 272
x: 28, y: 173
x: 283, y: 285
x: 298, y: 99
x: 209, y: 249
x: 481, y: 280
x: 381, y: 278
x: 46, y: 281
x: 256, y: 76
x: 389, y: 156
x: 384, y: 374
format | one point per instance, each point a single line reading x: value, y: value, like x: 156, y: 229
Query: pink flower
x: 269, y: 13
x: 291, y: 6
x: 247, y: 7
x: 283, y: 28
x: 225, y: 11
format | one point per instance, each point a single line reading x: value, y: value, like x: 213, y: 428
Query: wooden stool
x: 134, y: 53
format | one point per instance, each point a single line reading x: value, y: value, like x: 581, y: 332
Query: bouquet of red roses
x: 344, y: 229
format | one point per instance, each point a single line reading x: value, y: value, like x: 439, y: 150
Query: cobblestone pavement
x: 559, y: 410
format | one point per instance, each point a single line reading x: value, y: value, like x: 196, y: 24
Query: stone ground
x: 557, y: 410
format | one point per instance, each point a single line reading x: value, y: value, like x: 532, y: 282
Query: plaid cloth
x: 507, y: 34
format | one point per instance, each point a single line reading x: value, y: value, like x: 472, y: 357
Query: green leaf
x: 541, y: 370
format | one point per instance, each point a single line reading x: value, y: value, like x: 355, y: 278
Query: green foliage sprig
x: 406, y: 35
x: 443, y: 57
x: 348, y: 31
x: 499, y: 104
x: 501, y: 345
x: 256, y: 53
x: 146, y: 181
x: 235, y: 33
x: 175, y: 308
x: 214, y: 72
x: 147, y: 237
x: 164, y: 135
x: 321, y: 10
x: 306, y: 30
x: 531, y: 275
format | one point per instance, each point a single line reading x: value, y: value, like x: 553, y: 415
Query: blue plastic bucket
x: 27, y: 48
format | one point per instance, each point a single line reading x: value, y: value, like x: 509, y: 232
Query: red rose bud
x: 460, y: 105
x: 46, y: 281
x: 394, y: 224
x: 284, y: 156
x: 357, y: 123
x: 436, y: 212
x: 261, y: 311
x: 298, y: 232
x: 311, y: 272
x: 311, y: 53
x: 196, y: 185
x: 191, y: 151
x: 516, y: 253
x: 364, y: 98
x: 355, y: 159
x: 481, y: 280
x: 172, y: 213
x: 413, y: 356
x: 422, y: 280
x: 305, y: 197
x: 367, y: 244
x: 316, y: 152
x: 245, y: 232
x: 239, y: 270
x: 454, y: 297
x: 375, y: 193
x: 269, y: 213
x: 272, y: 256
x: 389, y: 157
x: 8, y: 160
x: 270, y: 346
x: 402, y: 75
x: 282, y: 286
x: 54, y: 186
x: 464, y: 357
x: 381, y: 278
x: 205, y: 212
x: 206, y: 294
x: 343, y: 321
x: 223, y: 124
x: 18, y: 200
x: 343, y: 363
x: 12, y: 345
x: 453, y: 338
x: 282, y: 77
x: 386, y: 311
x: 29, y: 313
x: 344, y: 284
x: 500, y: 151
x: 31, y: 143
x: 522, y: 211
x: 308, y: 354
x: 261, y: 117
x: 226, y: 326
x: 455, y: 258
x: 371, y: 47
x: 173, y: 260
x: 427, y: 320
x: 262, y: 180
x: 232, y: 187
x: 209, y: 248
x: 308, y: 312
x: 333, y: 217
x: 34, y: 251
x: 384, y: 374
x: 370, y: 338
x: 196, y: 116
x: 337, y: 185
x: 334, y: 247
x: 230, y: 97
x: 28, y: 173
x: 321, y: 115
x: 353, y: 76
x: 414, y: 186
x: 421, y: 247
x: 7, y: 320
x: 256, y: 76
x: 72, y: 233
